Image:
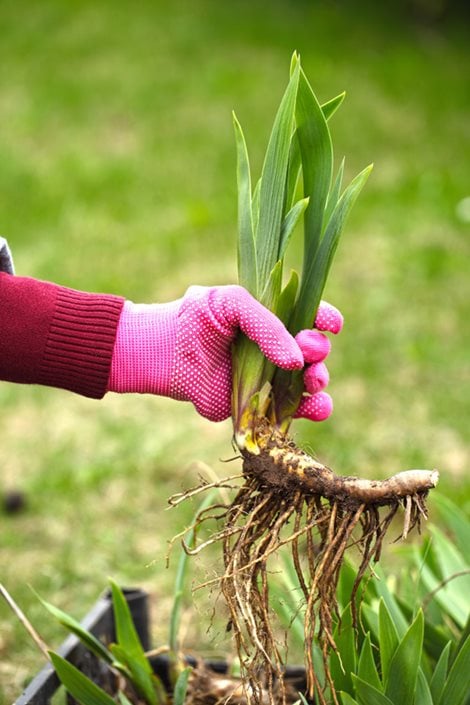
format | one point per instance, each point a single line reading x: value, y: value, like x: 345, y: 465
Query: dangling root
x: 283, y: 484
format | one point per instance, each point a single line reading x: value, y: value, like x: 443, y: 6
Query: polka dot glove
x: 183, y: 349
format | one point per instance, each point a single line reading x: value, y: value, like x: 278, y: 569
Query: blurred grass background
x: 117, y: 174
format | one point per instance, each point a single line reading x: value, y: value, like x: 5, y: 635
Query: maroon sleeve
x: 56, y: 336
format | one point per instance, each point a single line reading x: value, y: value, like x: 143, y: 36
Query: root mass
x: 289, y: 499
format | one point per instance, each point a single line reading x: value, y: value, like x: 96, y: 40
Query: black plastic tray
x: 100, y: 621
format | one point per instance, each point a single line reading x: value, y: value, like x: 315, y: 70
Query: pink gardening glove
x: 183, y: 349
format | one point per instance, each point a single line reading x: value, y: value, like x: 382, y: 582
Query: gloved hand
x: 183, y: 349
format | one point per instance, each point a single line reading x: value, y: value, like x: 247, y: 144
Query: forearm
x: 56, y: 336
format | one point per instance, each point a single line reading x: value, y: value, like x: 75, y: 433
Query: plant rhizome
x: 288, y: 497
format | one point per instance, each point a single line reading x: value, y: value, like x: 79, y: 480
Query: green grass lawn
x: 117, y: 174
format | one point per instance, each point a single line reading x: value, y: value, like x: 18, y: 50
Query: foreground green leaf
x: 435, y: 638
x: 366, y: 669
x: 78, y: 685
x: 404, y: 666
x: 463, y: 638
x: 181, y: 686
x: 130, y: 647
x: 388, y: 596
x: 388, y: 639
x: 73, y: 626
x: 423, y: 692
x: 126, y: 633
x: 456, y: 688
x: 343, y: 661
x: 440, y: 673
x: 120, y: 660
x: 347, y: 699
x: 368, y: 695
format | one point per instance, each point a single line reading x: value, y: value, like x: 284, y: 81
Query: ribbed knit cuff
x: 80, y: 342
x: 143, y: 357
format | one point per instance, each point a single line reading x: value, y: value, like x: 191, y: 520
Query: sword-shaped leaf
x: 317, y: 165
x: 77, y: 684
x: 131, y: 648
x: 246, y: 243
x: 316, y: 270
x: 366, y: 694
x: 273, y: 183
x: 73, y: 626
x: 289, y: 223
x: 456, y: 686
x: 405, y: 662
x: 331, y: 106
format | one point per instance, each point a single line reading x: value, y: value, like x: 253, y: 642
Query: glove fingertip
x: 329, y: 318
x: 315, y: 346
x: 316, y: 377
x: 317, y: 407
